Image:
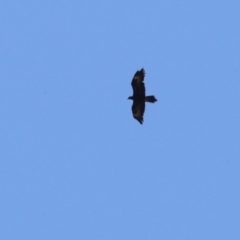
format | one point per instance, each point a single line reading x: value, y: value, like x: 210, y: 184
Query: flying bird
x: 139, y: 98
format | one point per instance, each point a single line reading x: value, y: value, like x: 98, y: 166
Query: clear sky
x: 75, y: 164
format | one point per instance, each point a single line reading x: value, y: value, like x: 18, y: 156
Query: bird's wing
x: 138, y: 109
x: 138, y: 84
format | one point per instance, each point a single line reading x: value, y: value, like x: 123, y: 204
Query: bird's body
x: 139, y: 97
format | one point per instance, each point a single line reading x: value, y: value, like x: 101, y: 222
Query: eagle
x: 139, y: 98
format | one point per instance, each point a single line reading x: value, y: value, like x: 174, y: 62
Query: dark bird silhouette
x: 139, y: 98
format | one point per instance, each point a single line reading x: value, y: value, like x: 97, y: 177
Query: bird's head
x: 130, y: 98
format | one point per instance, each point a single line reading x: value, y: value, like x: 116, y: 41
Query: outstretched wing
x: 138, y: 109
x: 138, y: 84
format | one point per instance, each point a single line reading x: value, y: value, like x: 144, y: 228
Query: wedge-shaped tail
x: 150, y: 99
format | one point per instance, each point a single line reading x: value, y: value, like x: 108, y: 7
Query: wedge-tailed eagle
x: 139, y: 98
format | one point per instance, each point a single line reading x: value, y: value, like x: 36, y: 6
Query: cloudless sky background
x: 75, y: 164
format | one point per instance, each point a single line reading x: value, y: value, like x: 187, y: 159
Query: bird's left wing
x: 138, y: 84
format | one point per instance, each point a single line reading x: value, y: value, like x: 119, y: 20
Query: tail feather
x: 150, y: 99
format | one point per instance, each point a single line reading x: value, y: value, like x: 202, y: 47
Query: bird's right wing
x: 138, y: 109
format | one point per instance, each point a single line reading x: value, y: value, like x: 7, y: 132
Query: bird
x: 139, y: 97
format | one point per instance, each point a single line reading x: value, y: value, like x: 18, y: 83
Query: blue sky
x: 75, y: 164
